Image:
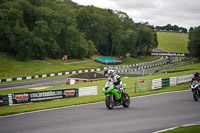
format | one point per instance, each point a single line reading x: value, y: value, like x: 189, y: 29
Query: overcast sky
x: 184, y: 13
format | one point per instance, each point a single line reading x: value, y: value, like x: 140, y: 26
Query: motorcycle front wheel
x: 196, y: 95
x: 126, y: 102
x: 109, y: 102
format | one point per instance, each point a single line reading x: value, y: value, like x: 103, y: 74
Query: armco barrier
x: 172, y: 81
x: 26, y: 97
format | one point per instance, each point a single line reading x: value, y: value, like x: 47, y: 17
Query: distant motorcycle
x: 114, y: 97
x: 195, y: 87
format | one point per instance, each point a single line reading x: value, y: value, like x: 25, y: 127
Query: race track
x: 145, y: 115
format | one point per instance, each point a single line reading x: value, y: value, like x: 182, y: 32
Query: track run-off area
x: 146, y: 114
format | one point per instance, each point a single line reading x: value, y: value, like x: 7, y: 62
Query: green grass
x: 189, y: 66
x: 10, y: 67
x: 188, y: 129
x: 129, y: 60
x: 173, y: 42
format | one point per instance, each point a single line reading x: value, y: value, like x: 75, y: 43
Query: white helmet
x: 111, y: 72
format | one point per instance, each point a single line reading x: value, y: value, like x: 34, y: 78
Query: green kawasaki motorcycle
x: 114, y: 97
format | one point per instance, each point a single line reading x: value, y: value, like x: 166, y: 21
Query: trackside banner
x: 51, y: 95
x: 19, y: 98
x: 26, y: 97
x: 166, y: 54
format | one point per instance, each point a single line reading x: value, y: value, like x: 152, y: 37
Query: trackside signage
x: 26, y: 97
x: 18, y: 98
x: 167, y: 54
x: 69, y: 93
x: 184, y: 79
x: 51, y: 95
x: 46, y: 95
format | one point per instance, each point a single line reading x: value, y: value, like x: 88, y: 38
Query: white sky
x: 184, y: 13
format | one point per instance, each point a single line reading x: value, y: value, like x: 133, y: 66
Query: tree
x: 191, y: 29
x: 194, y: 42
x: 127, y: 44
x: 76, y: 45
x: 22, y: 42
x: 146, y: 39
x: 53, y: 28
x: 91, y: 48
x: 170, y: 27
x: 43, y: 43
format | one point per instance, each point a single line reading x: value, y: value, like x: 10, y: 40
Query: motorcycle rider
x: 115, y: 79
x: 196, y: 77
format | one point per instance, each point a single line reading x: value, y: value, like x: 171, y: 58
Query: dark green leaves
x: 52, y: 28
x: 194, y: 42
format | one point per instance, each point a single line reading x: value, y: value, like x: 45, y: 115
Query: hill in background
x: 173, y: 42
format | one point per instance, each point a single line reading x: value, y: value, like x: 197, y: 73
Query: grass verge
x: 188, y: 129
x: 184, y: 67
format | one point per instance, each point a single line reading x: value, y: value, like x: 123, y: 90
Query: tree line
x: 173, y: 28
x: 53, y: 28
x: 194, y: 42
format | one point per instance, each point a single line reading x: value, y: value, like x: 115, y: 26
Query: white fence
x: 85, y: 91
x: 159, y: 83
x: 156, y: 84
x: 173, y: 81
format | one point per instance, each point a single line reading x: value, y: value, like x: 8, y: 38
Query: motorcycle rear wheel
x: 109, y: 102
x: 126, y: 102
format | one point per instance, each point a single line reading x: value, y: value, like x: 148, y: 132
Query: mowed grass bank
x: 10, y: 67
x: 173, y: 42
x: 189, y: 66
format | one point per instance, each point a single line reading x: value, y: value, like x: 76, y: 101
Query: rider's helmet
x: 196, y: 74
x: 111, y: 73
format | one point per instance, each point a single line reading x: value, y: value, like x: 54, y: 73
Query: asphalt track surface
x: 145, y: 115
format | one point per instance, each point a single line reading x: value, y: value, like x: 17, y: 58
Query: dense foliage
x: 53, y: 28
x: 170, y: 27
x: 194, y: 42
